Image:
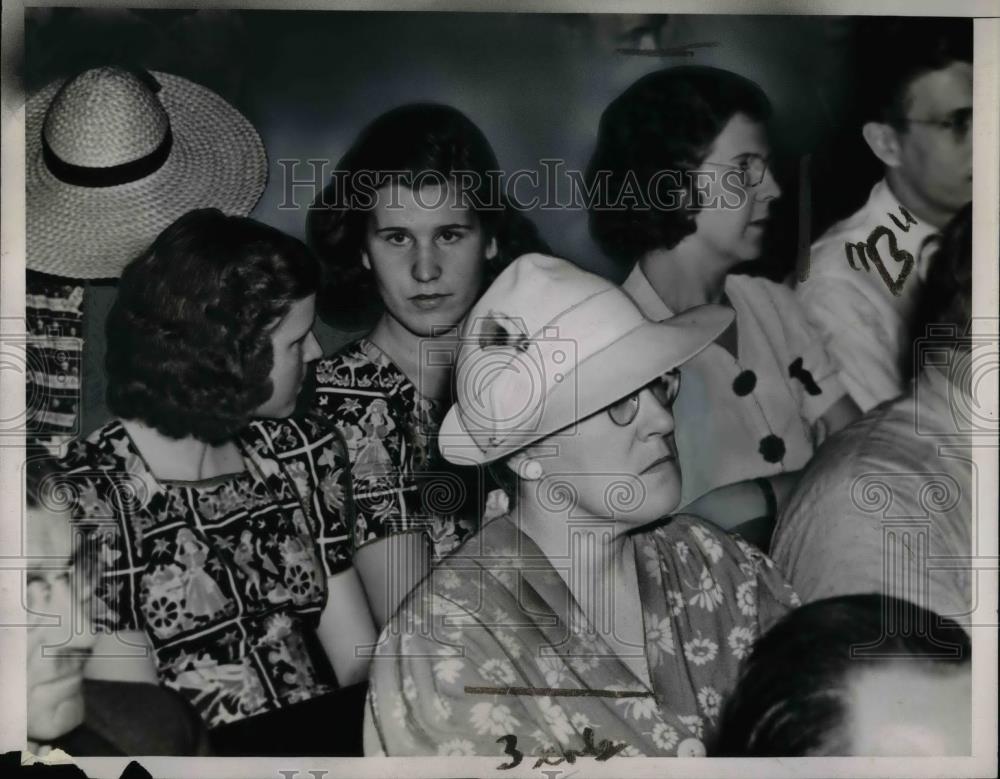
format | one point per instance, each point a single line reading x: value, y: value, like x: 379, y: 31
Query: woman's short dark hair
x: 423, y: 143
x: 666, y: 121
x: 189, y: 335
x: 793, y: 697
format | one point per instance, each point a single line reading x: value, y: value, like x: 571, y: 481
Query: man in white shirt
x: 864, y: 272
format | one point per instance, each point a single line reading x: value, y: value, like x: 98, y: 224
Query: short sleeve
x: 313, y: 454
x: 362, y: 401
x: 854, y: 335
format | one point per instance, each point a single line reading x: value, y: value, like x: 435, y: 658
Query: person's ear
x: 491, y: 249
x: 883, y: 140
x: 365, y: 261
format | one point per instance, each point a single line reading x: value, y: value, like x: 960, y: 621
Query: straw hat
x: 547, y: 345
x: 114, y: 156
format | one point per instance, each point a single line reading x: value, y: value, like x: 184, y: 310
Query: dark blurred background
x: 535, y: 83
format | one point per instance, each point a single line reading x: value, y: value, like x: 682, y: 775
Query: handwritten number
x: 511, y: 750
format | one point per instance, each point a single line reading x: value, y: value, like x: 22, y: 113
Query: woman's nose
x: 768, y: 189
x: 312, y: 351
x: 426, y: 265
x: 654, y: 417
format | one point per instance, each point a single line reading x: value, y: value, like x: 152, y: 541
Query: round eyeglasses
x: 752, y: 168
x: 664, y: 389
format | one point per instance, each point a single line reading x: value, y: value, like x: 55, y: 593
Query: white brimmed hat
x: 547, y: 345
x: 114, y: 156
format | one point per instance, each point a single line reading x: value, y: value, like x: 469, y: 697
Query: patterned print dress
x: 227, y: 577
x: 492, y: 645
x: 400, y: 481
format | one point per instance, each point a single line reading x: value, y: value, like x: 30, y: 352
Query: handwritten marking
x: 556, y: 692
x: 603, y: 750
x: 510, y: 748
x: 868, y: 250
x: 907, y: 216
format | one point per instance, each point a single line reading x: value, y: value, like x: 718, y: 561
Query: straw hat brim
x: 217, y: 160
x: 629, y: 363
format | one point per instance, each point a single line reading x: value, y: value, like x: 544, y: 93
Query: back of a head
x: 188, y: 336
x: 665, y: 121
x: 797, y: 691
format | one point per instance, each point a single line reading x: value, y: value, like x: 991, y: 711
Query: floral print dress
x: 226, y: 577
x: 492, y: 646
x: 400, y: 481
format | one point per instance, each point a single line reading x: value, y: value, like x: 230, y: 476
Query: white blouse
x: 751, y: 416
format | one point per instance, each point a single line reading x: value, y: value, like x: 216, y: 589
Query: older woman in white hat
x: 572, y: 625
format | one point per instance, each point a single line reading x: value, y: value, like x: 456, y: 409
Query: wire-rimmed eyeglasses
x: 664, y: 389
x: 959, y: 123
x: 752, y: 168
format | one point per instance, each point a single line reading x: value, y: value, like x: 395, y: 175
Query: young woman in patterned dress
x: 223, y: 541
x: 412, y: 223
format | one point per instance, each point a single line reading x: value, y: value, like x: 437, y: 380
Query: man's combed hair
x: 666, y: 121
x: 189, y: 335
x: 419, y: 143
x: 897, y: 51
x: 793, y: 697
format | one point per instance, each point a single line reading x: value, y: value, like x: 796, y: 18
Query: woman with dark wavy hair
x: 412, y: 226
x: 693, y: 141
x: 222, y: 527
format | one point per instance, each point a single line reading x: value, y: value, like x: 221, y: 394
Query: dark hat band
x: 112, y: 176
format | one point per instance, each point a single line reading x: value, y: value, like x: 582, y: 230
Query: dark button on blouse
x: 744, y: 383
x: 772, y: 448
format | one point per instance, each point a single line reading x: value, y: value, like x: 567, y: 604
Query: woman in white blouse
x: 756, y: 403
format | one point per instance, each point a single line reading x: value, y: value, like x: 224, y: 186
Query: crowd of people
x: 530, y: 513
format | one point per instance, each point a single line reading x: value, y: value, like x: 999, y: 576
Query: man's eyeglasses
x: 958, y: 123
x: 664, y: 389
x: 752, y: 169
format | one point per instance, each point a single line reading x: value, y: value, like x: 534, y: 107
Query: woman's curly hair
x: 411, y: 143
x: 189, y: 334
x: 666, y: 121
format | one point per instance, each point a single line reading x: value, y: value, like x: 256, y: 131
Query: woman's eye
x: 397, y: 239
